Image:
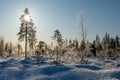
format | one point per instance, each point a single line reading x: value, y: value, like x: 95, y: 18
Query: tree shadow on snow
x: 9, y: 63
x: 28, y: 62
x: 50, y: 70
x: 88, y: 67
x: 116, y: 75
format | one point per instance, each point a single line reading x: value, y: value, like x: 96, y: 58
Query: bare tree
x: 84, y: 35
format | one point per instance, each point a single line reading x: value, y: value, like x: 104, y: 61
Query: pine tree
x: 6, y: 47
x: 10, y: 50
x: 66, y: 43
x: 76, y: 43
x: 112, y: 43
x: 40, y: 50
x: 41, y: 45
x: 98, y: 42
x: 19, y: 48
x: 117, y: 41
x: 1, y: 46
x: 70, y: 42
x: 94, y: 48
x: 58, y: 38
x: 32, y: 37
x: 27, y: 30
x: 106, y: 41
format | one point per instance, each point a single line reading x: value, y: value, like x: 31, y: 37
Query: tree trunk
x: 26, y: 41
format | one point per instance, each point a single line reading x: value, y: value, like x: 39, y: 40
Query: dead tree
x: 84, y: 35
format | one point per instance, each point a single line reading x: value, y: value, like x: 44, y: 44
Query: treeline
x: 110, y: 45
x: 106, y: 47
x: 9, y: 49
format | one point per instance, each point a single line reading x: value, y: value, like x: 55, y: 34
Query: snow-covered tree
x: 66, y: 43
x: 98, y: 43
x: 27, y: 30
x: 41, y: 45
x: 76, y: 43
x: 70, y: 42
x: 84, y: 36
x: 58, y: 38
x: 1, y: 46
x: 6, y: 47
x: 19, y: 49
x: 93, y: 48
x: 117, y: 41
x: 32, y: 38
x: 10, y: 48
x: 40, y: 50
x: 112, y: 43
x: 106, y: 41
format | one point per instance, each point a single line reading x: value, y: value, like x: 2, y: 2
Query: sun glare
x: 27, y: 18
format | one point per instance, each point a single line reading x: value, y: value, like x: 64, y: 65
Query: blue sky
x: 100, y: 16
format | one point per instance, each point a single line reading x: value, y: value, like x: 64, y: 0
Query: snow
x: 30, y: 69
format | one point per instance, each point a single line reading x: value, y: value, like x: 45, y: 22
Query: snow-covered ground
x: 29, y: 69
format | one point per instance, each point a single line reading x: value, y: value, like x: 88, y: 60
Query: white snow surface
x: 30, y: 69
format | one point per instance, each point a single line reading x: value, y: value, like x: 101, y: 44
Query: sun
x: 27, y: 18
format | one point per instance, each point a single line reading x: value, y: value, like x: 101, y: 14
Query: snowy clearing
x: 29, y: 69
